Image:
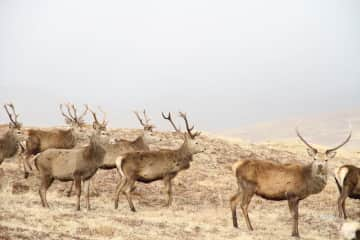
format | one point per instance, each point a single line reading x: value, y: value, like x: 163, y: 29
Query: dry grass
x: 200, y: 209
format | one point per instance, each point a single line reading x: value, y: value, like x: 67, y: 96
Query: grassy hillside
x: 200, y: 209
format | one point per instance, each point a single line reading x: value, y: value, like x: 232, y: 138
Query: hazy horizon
x: 227, y: 64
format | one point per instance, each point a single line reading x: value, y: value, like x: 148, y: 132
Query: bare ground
x: 200, y: 209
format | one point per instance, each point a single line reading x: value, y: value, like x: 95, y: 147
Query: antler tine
x: 67, y: 118
x: 14, y: 112
x: 8, y: 113
x: 304, y: 141
x: 68, y: 107
x: 74, y: 111
x: 104, y: 115
x: 147, y: 119
x: 94, y: 115
x: 84, y: 113
x: 188, y: 128
x: 342, y: 144
x: 168, y: 117
x: 139, y: 118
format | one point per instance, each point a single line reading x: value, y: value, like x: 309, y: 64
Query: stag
x: 278, y: 182
x: 145, y: 122
x: 147, y: 167
x: 99, y: 126
x: 347, y: 178
x: 118, y: 147
x: 10, y: 140
x: 77, y: 165
x: 40, y: 140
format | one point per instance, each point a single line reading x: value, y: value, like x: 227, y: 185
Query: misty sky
x: 227, y: 63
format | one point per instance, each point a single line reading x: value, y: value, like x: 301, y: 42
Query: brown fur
x: 348, y: 184
x: 39, y: 140
x: 8, y: 145
x: 114, y: 150
x: 278, y: 182
x: 151, y: 166
x: 76, y: 165
x: 120, y: 147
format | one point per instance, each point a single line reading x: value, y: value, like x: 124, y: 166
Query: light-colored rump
x: 340, y: 174
x: 118, y: 163
x: 237, y: 165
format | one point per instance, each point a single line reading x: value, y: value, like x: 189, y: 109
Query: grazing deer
x: 278, y: 182
x: 347, y: 178
x: 77, y: 165
x: 10, y: 140
x: 147, y: 167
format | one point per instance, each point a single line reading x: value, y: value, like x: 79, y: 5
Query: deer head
x: 320, y: 159
x: 190, y: 138
x: 99, y: 126
x: 145, y: 122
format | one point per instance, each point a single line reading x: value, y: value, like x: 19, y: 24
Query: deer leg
x: 119, y: 189
x: 294, y: 210
x: 246, y: 196
x: 68, y: 193
x: 87, y: 188
x: 78, y: 192
x: 94, y: 189
x: 168, y: 187
x: 128, y: 192
x: 46, y: 182
x: 341, y: 201
x: 234, y: 201
x: 27, y: 165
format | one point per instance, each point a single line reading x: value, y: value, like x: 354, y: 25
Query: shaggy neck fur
x: 316, y: 181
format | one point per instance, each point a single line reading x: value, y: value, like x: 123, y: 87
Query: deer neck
x: 316, y: 181
x: 97, y: 153
x: 139, y: 142
x: 184, y: 150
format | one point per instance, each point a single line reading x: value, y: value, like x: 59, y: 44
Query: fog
x: 227, y: 63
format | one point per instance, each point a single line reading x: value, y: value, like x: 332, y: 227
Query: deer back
x: 8, y: 145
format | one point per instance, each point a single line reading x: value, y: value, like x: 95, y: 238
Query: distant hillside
x: 325, y: 129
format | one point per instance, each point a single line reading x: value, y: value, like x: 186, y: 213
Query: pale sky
x: 227, y: 63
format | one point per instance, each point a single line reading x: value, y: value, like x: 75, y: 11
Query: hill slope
x: 200, y: 209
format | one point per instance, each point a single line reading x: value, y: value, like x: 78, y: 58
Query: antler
x: 13, y: 117
x: 80, y: 119
x: 188, y: 128
x: 146, y: 124
x: 168, y: 117
x: 104, y: 121
x: 96, y: 123
x: 94, y: 115
x: 68, y: 119
x: 304, y: 141
x: 72, y: 118
x: 342, y: 144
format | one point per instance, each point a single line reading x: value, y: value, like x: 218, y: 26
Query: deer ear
x: 311, y: 152
x: 331, y: 154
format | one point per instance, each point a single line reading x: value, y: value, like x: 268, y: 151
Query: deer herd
x: 76, y: 153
